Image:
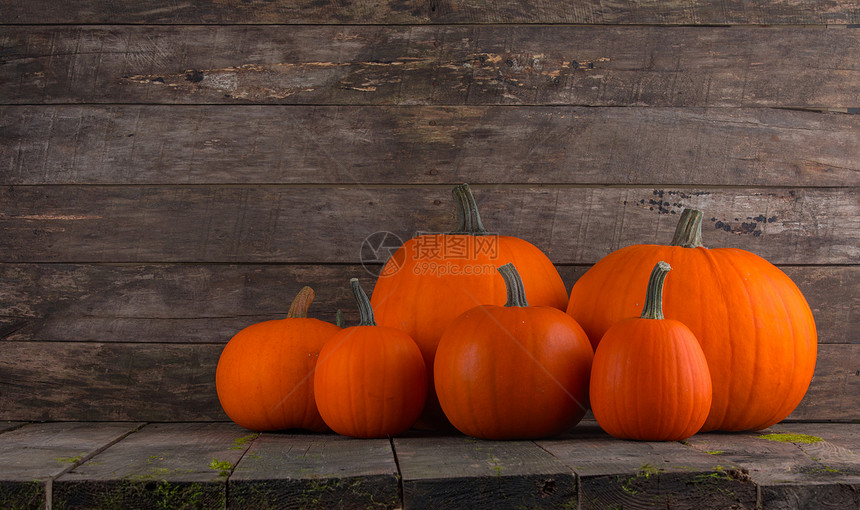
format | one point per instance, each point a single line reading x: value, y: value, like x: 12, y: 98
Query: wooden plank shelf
x: 220, y: 465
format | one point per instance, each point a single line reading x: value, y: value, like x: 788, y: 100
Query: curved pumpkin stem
x: 514, y: 285
x: 467, y: 212
x: 653, y: 308
x: 300, y: 304
x: 688, y: 233
x: 365, y: 311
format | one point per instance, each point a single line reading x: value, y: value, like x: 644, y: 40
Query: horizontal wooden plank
x: 164, y: 465
x: 159, y: 144
x: 252, y: 224
x: 637, y: 474
x: 434, y: 65
x: 418, y: 11
x: 316, y: 471
x: 787, y: 475
x: 33, y: 455
x: 482, y: 474
x: 176, y: 382
x: 174, y: 303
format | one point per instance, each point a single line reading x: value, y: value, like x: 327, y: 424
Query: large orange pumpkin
x: 751, y: 320
x: 513, y: 371
x: 370, y: 380
x: 650, y: 380
x: 264, y: 376
x: 433, y: 278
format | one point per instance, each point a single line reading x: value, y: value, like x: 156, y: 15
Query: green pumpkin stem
x: 365, y: 311
x: 300, y: 304
x: 653, y: 308
x: 338, y: 318
x: 688, y: 233
x: 514, y: 286
x: 468, y: 217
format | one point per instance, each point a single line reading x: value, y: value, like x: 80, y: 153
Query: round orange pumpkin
x: 264, y: 377
x: 433, y: 278
x: 514, y: 371
x: 370, y: 380
x: 650, y: 380
x: 752, y: 322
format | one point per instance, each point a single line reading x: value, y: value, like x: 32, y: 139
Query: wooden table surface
x: 216, y: 465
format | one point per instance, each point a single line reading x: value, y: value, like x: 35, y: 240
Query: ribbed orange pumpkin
x: 753, y: 323
x: 264, y: 376
x: 513, y: 371
x: 433, y: 278
x: 370, y: 380
x: 650, y: 380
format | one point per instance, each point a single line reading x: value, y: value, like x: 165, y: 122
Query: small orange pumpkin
x: 650, y: 380
x: 264, y: 377
x: 370, y: 380
x: 514, y: 371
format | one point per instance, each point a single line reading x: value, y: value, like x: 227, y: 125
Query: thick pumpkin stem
x: 688, y: 233
x: 467, y: 212
x: 514, y: 286
x: 365, y: 311
x: 653, y: 308
x: 300, y: 304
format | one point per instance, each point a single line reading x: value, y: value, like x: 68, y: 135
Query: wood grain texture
x: 482, y: 474
x: 176, y: 382
x: 190, y: 303
x: 429, y: 11
x: 161, y: 466
x: 433, y: 65
x: 34, y: 455
x: 789, y: 476
x: 225, y: 144
x: 316, y: 471
x: 638, y: 474
x: 286, y: 224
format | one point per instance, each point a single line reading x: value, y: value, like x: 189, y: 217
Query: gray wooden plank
x: 297, y: 224
x: 175, y: 382
x: 462, y: 472
x: 95, y: 381
x: 190, y: 303
x: 439, y: 65
x: 164, y: 465
x: 418, y: 11
x: 33, y: 455
x: 159, y: 144
x: 788, y: 476
x: 838, y: 435
x: 315, y: 471
x: 616, y: 473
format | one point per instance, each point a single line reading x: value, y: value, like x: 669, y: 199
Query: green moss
x: 69, y: 460
x: 240, y: 443
x: 224, y: 467
x: 791, y: 438
x: 715, y: 452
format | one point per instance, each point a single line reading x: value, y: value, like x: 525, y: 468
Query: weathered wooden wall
x: 173, y: 172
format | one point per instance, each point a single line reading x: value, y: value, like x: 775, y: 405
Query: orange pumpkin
x: 370, y: 380
x: 513, y: 371
x: 433, y: 278
x: 264, y: 377
x: 650, y: 380
x: 751, y: 320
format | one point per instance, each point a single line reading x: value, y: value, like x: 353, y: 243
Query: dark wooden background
x: 172, y: 172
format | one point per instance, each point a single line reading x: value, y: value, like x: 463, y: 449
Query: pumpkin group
x: 650, y: 380
x: 751, y: 320
x: 433, y: 278
x: 264, y: 377
x: 514, y: 371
